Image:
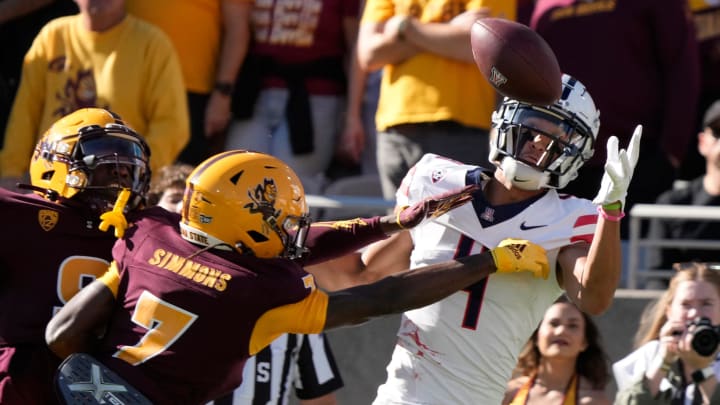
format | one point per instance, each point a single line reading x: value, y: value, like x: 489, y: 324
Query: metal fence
x: 637, y: 270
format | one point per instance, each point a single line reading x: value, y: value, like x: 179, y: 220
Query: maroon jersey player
x: 189, y: 298
x: 53, y: 245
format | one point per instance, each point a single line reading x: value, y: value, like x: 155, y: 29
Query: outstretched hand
x: 435, y: 205
x: 619, y: 169
x: 518, y: 255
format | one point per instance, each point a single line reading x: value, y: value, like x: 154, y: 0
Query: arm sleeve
x: 329, y: 240
x: 166, y: 108
x: 22, y: 129
x: 305, y: 316
x: 318, y: 374
x: 111, y: 279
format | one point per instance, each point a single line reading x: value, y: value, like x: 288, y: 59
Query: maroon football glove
x: 435, y: 205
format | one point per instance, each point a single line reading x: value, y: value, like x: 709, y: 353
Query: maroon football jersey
x: 182, y: 329
x: 44, y: 247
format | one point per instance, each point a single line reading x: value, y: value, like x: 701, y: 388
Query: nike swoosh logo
x: 520, y: 180
x: 529, y: 227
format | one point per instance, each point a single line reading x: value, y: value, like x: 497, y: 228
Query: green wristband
x: 612, y: 206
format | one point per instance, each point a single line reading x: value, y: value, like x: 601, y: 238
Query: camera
x: 706, y: 336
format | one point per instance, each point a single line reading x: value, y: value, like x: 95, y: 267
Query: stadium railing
x: 642, y: 212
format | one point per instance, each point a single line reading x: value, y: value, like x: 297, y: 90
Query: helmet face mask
x: 90, y: 156
x: 544, y: 146
x: 295, y: 230
x: 247, y: 201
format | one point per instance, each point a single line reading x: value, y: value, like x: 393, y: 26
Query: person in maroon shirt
x: 640, y: 62
x: 293, y: 83
x: 189, y: 298
x: 53, y: 245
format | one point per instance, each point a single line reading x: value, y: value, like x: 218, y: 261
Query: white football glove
x: 619, y: 169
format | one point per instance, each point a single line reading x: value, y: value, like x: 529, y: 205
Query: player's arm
x: 394, y: 294
x: 592, y: 273
x: 424, y: 285
x: 387, y: 257
x: 77, y: 327
x: 378, y: 260
x: 332, y: 239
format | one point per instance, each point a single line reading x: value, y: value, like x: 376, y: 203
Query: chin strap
x: 51, y: 195
x: 115, y: 217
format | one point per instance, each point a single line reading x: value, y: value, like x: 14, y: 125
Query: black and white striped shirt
x: 304, y: 363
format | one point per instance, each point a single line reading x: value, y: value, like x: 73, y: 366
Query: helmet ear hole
x: 48, y: 175
x: 257, y: 237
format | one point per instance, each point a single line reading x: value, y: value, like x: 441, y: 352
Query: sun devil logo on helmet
x: 263, y: 201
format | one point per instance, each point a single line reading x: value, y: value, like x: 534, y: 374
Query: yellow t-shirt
x: 195, y: 29
x: 428, y: 87
x: 131, y: 69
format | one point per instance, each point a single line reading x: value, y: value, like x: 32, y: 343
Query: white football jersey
x: 462, y: 349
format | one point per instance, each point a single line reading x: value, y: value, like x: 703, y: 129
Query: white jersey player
x: 462, y: 349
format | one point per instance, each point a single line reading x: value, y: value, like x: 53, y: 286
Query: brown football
x: 516, y: 60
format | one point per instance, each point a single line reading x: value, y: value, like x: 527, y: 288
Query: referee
x: 303, y: 363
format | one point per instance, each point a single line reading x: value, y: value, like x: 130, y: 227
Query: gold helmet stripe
x: 209, y: 162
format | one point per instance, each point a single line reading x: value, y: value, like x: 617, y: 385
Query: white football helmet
x: 564, y: 134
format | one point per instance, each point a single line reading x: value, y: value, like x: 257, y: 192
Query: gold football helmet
x: 248, y: 201
x: 90, y: 155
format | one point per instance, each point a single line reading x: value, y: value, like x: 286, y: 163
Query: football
x: 516, y: 61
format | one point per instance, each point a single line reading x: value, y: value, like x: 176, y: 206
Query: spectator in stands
x: 433, y: 99
x: 291, y: 92
x: 167, y: 186
x: 211, y: 39
x: 656, y: 85
x: 21, y: 20
x: 666, y: 368
x: 706, y: 15
x: 357, y: 143
x: 564, y: 358
x: 299, y: 361
x: 702, y: 191
x: 100, y: 57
